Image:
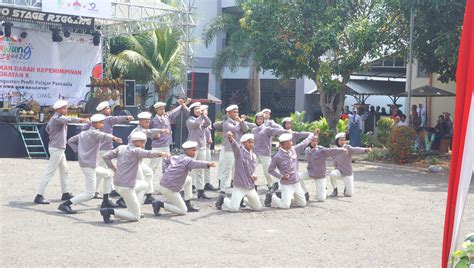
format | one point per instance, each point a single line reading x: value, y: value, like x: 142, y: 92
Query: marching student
x: 263, y: 144
x: 287, y: 124
x: 163, y: 120
x: 238, y: 127
x: 105, y: 146
x: 86, y: 144
x: 175, y: 178
x: 269, y: 122
x: 197, y: 124
x: 343, y: 166
x: 286, y: 161
x: 244, y: 178
x: 316, y: 158
x: 57, y: 130
x: 125, y: 178
x: 207, y: 174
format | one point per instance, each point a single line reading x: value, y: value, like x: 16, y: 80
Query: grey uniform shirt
x: 57, y: 130
x: 316, y: 158
x: 343, y: 162
x: 245, y: 163
x: 176, y: 169
x: 197, y: 129
x: 128, y: 159
x: 237, y: 129
x: 109, y: 123
x: 86, y: 144
x: 164, y: 122
x: 287, y: 162
x: 150, y: 133
x: 208, y: 136
x: 273, y: 124
x: 263, y: 139
x: 298, y: 135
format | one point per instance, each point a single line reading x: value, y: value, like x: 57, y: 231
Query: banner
x: 45, y: 70
x: 11, y: 14
x: 89, y: 8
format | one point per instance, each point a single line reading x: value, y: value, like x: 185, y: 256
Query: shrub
x: 367, y: 139
x: 384, y: 125
x: 401, y: 142
x: 377, y: 154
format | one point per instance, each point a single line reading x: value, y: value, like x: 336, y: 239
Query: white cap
x: 204, y: 107
x: 286, y: 119
x: 285, y: 137
x: 144, y: 115
x: 189, y: 145
x: 340, y: 135
x: 97, y: 117
x: 246, y: 137
x: 266, y: 110
x: 138, y: 136
x: 259, y: 114
x: 194, y: 104
x: 102, y: 106
x: 159, y: 104
x: 59, y: 104
x: 231, y: 107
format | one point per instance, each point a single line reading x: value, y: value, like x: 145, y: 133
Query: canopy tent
x: 428, y: 91
x: 362, y: 89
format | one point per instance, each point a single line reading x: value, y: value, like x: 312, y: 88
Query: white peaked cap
x: 138, y: 136
x: 159, y: 104
x: 266, y: 110
x: 259, y: 114
x: 59, y: 104
x: 246, y: 137
x: 102, y: 106
x: 286, y: 119
x: 204, y: 107
x: 285, y: 137
x: 194, y: 104
x: 340, y: 135
x: 144, y: 115
x: 231, y: 107
x: 189, y: 145
x: 97, y: 118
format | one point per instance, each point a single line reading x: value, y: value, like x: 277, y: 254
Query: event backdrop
x: 45, y: 70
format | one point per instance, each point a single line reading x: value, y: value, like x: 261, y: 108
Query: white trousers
x: 233, y: 204
x: 198, y: 174
x: 91, y: 175
x: 207, y: 171
x: 57, y: 160
x: 266, y: 160
x: 101, y: 163
x: 289, y: 193
x: 156, y: 163
x: 348, y: 181
x: 145, y: 173
x: 321, y: 191
x: 175, y: 202
x: 133, y: 198
x: 226, y: 166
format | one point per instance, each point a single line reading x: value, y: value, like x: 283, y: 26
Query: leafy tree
x: 323, y: 40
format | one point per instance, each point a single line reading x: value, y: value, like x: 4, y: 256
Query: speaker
x: 129, y: 95
x: 198, y: 85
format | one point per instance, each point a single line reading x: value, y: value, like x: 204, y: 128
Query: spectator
x: 370, y: 122
x: 345, y: 114
x: 355, y: 127
x: 403, y: 120
x: 441, y: 129
x: 415, y: 120
x: 383, y: 112
x: 422, y: 114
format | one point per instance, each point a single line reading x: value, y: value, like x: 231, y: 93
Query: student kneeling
x: 244, y: 186
x: 175, y: 178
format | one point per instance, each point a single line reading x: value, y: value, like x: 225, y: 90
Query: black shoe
x: 114, y: 194
x: 157, y: 205
x: 66, y: 196
x: 190, y: 207
x: 194, y: 189
x: 108, y: 204
x: 275, y: 186
x: 334, y: 193
x: 202, y: 195
x: 97, y: 196
x: 121, y: 203
x: 268, y: 199
x: 149, y: 199
x: 106, y: 212
x: 209, y: 187
x: 39, y: 199
x: 66, y: 208
x: 306, y: 196
x: 220, y: 201
x: 278, y: 194
x: 242, y: 204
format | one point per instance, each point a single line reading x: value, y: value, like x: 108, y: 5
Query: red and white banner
x: 44, y: 70
x: 462, y: 162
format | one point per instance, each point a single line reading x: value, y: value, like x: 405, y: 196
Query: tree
x: 238, y: 52
x: 150, y: 56
x: 323, y: 40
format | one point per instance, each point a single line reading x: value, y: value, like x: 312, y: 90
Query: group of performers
x: 123, y: 172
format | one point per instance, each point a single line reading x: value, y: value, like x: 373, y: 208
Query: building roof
x: 375, y: 87
x: 428, y: 91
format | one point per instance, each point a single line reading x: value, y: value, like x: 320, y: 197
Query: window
x: 421, y: 71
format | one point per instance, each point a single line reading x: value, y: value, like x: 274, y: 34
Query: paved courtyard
x: 395, y: 219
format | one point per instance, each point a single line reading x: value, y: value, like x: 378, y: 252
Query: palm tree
x: 237, y: 53
x: 151, y: 56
